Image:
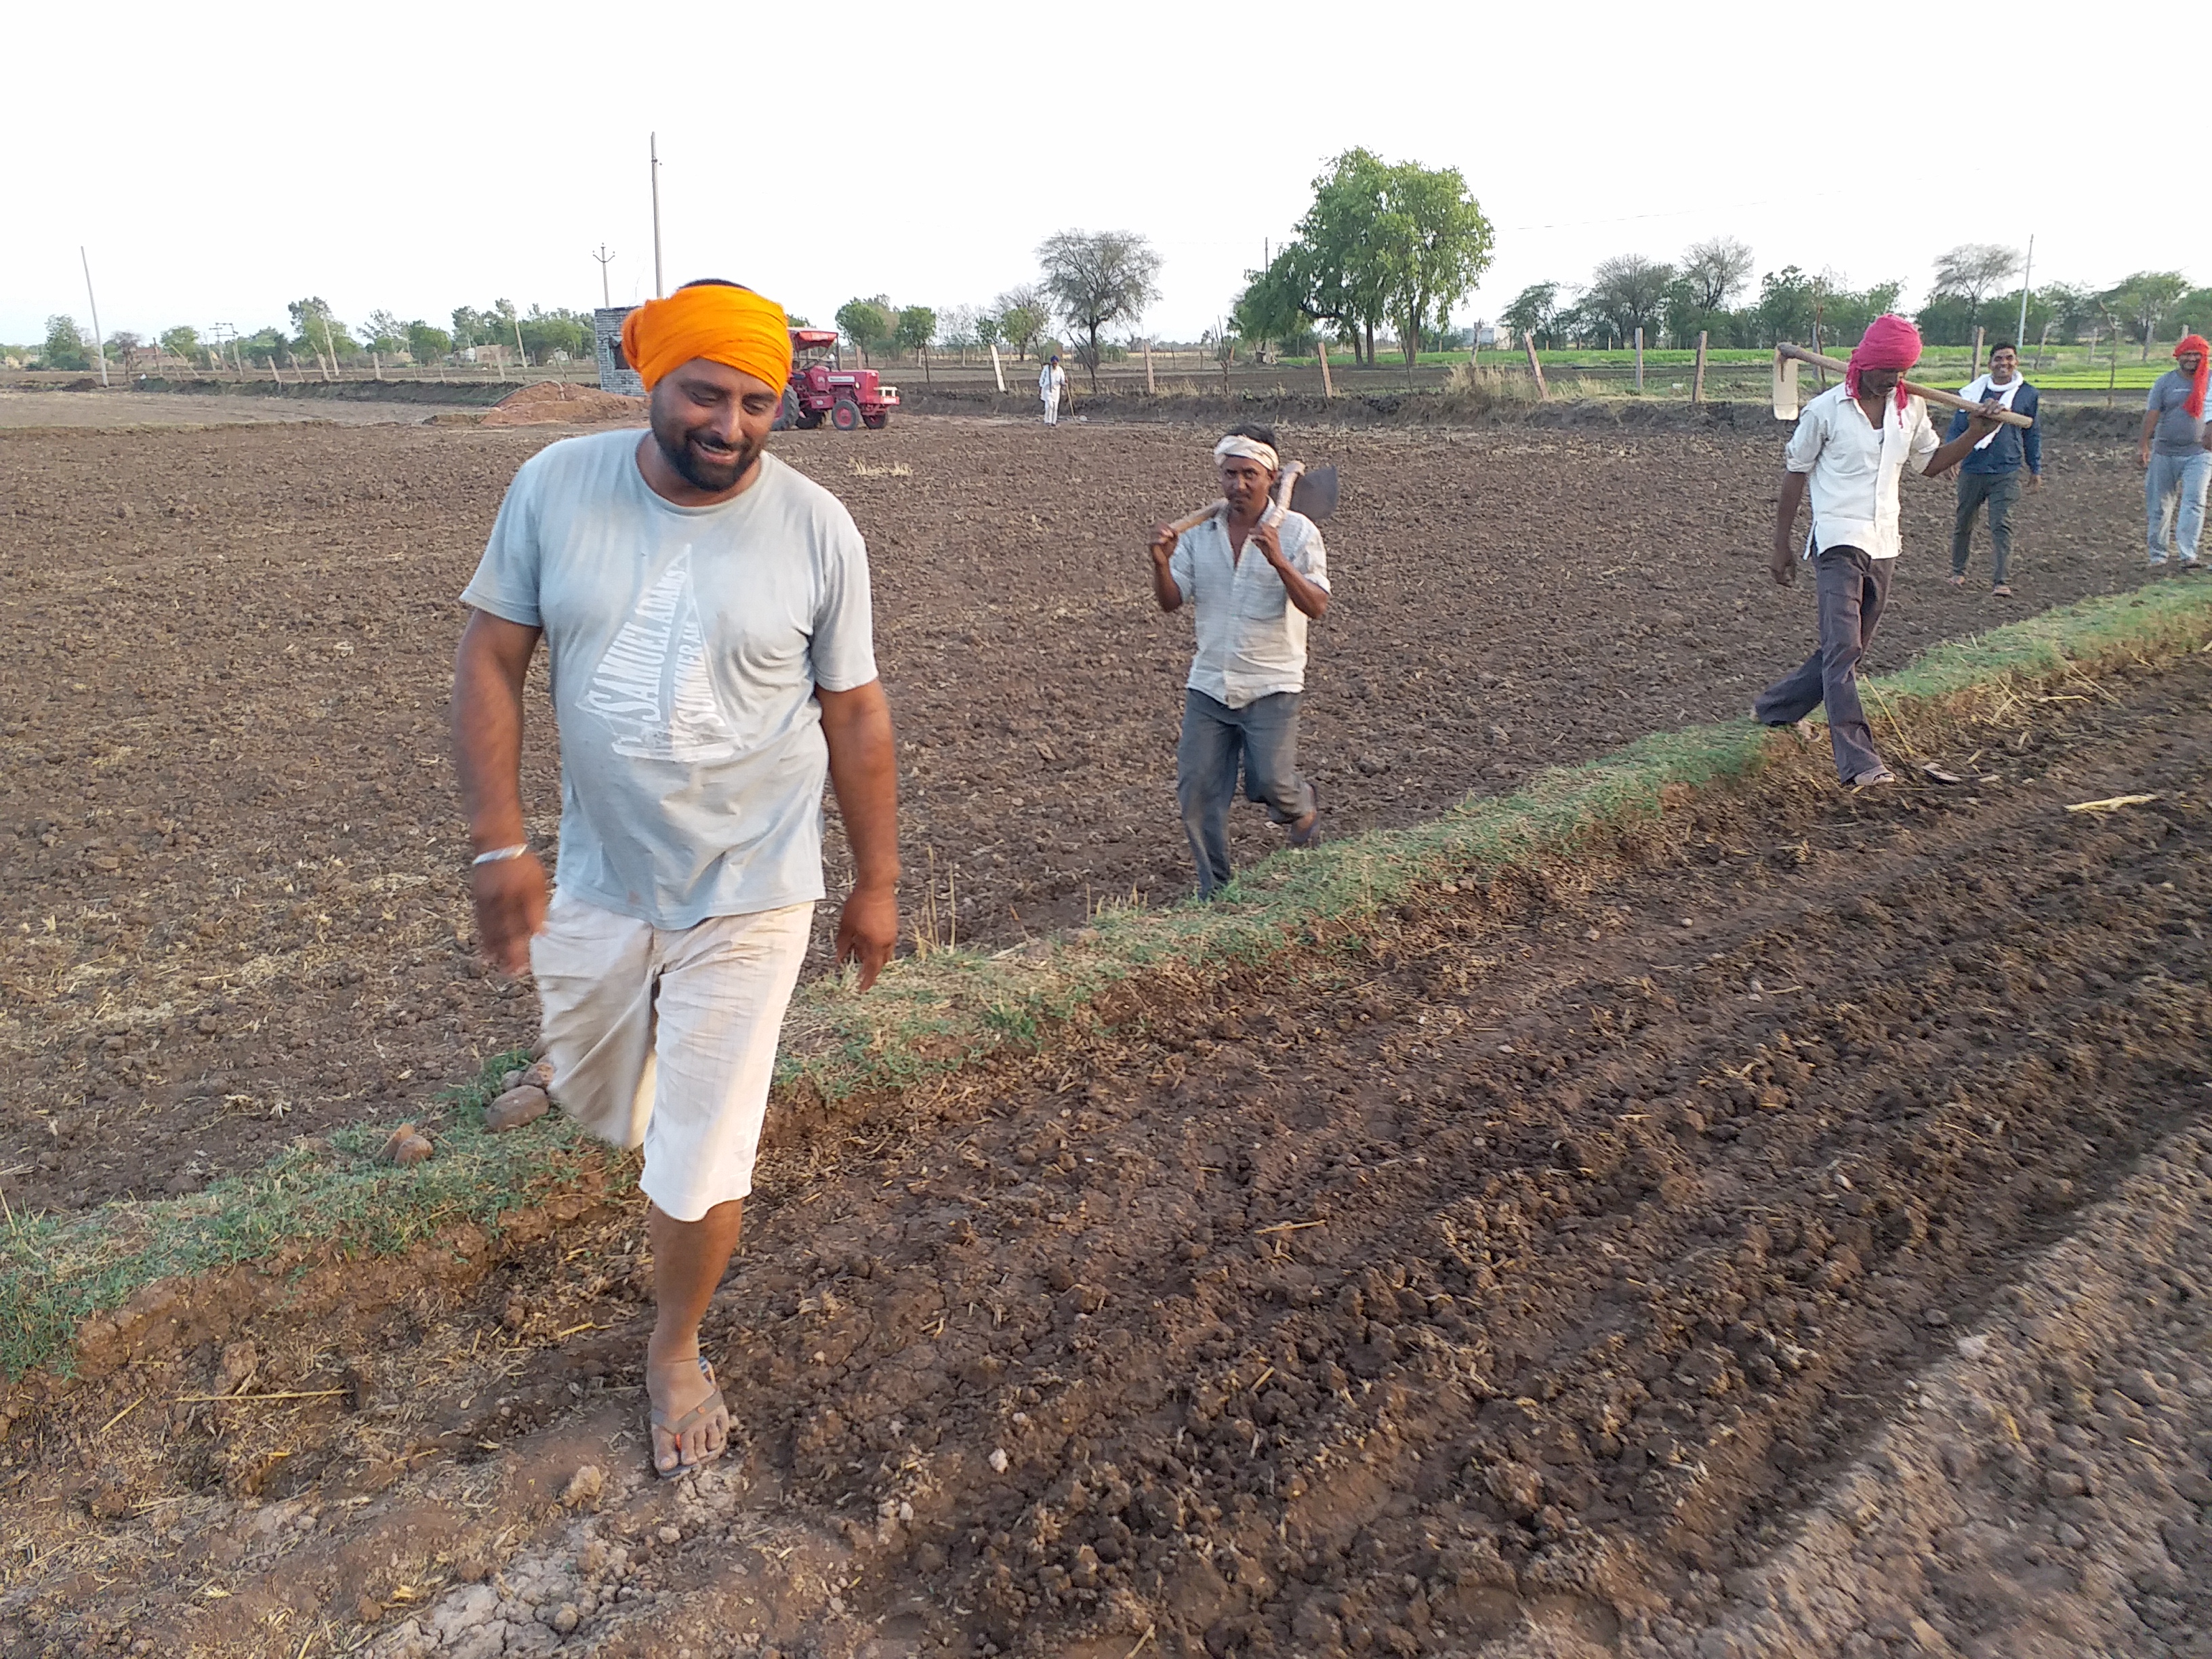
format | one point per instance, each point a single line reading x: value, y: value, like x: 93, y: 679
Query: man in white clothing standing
x: 1051, y: 380
x: 1852, y: 444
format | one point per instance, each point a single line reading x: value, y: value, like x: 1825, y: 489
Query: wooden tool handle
x: 1273, y: 515
x: 1944, y: 400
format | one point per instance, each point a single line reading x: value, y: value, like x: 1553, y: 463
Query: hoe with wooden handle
x: 1296, y: 490
x: 1787, y: 357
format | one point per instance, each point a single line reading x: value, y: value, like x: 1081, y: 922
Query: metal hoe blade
x: 1785, y: 387
x: 1315, y: 493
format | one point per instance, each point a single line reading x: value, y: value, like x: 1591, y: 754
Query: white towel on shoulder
x: 1976, y: 391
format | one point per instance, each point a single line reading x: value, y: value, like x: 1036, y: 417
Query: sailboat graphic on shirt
x: 654, y: 686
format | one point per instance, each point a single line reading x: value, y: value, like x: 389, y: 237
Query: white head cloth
x: 1250, y: 449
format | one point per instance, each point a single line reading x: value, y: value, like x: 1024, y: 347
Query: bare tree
x: 1716, y: 269
x: 1973, y: 271
x: 1096, y: 279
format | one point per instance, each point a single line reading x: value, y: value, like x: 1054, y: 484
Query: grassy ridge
x: 930, y: 1015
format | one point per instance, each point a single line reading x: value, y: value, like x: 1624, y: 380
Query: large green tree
x: 65, y: 346
x: 866, y: 323
x: 914, y: 328
x: 1096, y: 279
x: 2144, y: 300
x: 1434, y: 245
x: 182, y: 341
x: 1534, y: 314
x: 1379, y: 242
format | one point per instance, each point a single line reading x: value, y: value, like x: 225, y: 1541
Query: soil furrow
x: 1530, y: 1283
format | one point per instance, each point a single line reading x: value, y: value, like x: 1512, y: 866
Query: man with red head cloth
x: 705, y: 614
x: 1852, y: 444
x: 2175, y: 460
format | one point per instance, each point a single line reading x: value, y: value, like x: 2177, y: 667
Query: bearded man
x: 1852, y: 446
x: 1254, y: 585
x: 706, y: 613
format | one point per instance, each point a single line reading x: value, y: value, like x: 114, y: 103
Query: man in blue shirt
x: 1991, y: 470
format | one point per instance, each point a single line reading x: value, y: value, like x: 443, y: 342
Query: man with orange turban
x: 706, y: 611
x: 2173, y: 452
x: 1852, y: 444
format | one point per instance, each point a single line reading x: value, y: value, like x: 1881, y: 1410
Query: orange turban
x: 714, y: 320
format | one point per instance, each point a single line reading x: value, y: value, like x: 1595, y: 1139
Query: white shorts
x: 667, y: 1039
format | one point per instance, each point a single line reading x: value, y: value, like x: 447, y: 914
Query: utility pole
x: 605, y: 258
x: 99, y: 344
x: 2026, y: 271
x: 653, y: 147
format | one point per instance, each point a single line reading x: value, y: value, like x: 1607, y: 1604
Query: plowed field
x: 1802, y: 1246
x: 231, y: 905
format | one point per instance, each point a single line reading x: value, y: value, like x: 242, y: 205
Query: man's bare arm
x: 488, y: 671
x: 864, y: 771
x: 1166, y: 592
x: 1782, y: 563
x: 1947, y: 456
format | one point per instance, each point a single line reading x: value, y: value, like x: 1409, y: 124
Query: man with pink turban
x: 2175, y: 461
x: 1852, y: 444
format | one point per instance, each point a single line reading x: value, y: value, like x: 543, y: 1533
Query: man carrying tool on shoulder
x: 1254, y: 585
x: 706, y: 611
x: 1991, y: 473
x: 1852, y: 445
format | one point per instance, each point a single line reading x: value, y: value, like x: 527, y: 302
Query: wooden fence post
x: 1528, y: 342
x: 1975, y: 373
x: 1697, y: 380
x: 1149, y: 387
x: 1327, y: 385
x: 998, y: 369
x: 1639, y: 359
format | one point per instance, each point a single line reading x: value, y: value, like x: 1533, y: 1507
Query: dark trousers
x: 1853, y: 590
x: 1262, y: 739
x: 2002, y: 491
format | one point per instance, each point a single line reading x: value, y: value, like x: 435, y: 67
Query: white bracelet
x: 500, y: 854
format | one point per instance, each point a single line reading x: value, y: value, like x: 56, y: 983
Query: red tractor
x: 819, y: 386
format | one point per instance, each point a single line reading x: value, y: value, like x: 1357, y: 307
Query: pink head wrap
x: 1890, y: 342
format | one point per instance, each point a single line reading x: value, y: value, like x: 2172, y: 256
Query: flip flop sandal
x: 1311, y: 834
x: 678, y: 1427
x: 2001, y: 592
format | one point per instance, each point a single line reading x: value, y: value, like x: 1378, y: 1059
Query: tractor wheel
x: 878, y: 420
x: 787, y: 412
x: 845, y: 415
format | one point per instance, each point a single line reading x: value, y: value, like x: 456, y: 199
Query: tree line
x: 1708, y: 291
x: 316, y: 337
x: 1088, y: 283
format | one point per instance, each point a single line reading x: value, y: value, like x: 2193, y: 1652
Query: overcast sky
x: 220, y: 159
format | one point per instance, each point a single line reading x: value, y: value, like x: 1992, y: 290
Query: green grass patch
x: 930, y: 1015
x: 57, y: 1270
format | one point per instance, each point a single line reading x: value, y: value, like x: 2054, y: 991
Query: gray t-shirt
x: 2178, y: 432
x: 685, y: 644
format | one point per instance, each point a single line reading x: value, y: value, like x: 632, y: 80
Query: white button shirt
x: 1854, y: 468
x: 1251, y: 639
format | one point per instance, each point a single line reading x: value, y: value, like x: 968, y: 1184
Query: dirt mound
x: 560, y: 402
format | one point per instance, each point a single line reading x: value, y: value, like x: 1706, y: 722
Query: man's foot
x: 1874, y: 778
x: 2001, y: 591
x: 2192, y: 563
x: 1307, y: 830
x: 1957, y: 578
x: 2155, y: 564
x: 689, y: 1423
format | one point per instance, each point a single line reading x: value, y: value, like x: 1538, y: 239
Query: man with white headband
x: 1254, y: 585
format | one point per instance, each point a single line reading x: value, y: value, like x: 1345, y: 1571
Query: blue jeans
x: 2167, y: 474
x: 1262, y: 738
x: 1853, y: 589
